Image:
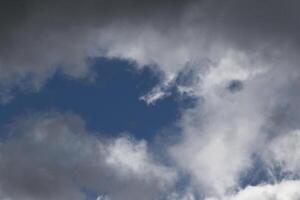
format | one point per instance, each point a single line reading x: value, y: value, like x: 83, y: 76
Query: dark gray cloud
x: 248, y: 22
x: 38, y: 37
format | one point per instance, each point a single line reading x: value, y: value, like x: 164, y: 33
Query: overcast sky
x: 149, y: 100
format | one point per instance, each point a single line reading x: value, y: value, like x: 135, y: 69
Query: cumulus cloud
x: 53, y: 156
x: 220, y: 132
x: 288, y: 190
x: 227, y: 130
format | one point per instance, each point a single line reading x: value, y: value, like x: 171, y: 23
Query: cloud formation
x: 53, y: 156
x: 40, y: 38
x: 245, y: 72
x: 283, y: 190
x: 168, y: 34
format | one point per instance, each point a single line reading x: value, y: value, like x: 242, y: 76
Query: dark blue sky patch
x: 262, y: 173
x: 235, y: 85
x: 256, y: 175
x: 92, y: 195
x: 109, y: 105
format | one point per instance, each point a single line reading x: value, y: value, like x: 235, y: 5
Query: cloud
x: 35, y: 43
x: 288, y: 190
x: 220, y: 132
x: 224, y: 134
x: 253, y: 43
x: 284, y: 151
x: 129, y: 157
x: 53, y: 156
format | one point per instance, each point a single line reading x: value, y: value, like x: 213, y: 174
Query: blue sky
x: 110, y: 103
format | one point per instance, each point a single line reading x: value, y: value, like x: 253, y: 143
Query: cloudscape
x: 149, y: 100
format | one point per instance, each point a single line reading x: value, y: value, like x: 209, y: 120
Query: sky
x: 149, y: 100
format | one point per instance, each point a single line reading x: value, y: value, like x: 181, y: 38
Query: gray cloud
x: 38, y: 38
x: 52, y: 156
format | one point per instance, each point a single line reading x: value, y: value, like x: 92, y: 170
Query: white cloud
x: 130, y: 157
x: 285, y: 190
x: 102, y: 197
x: 284, y: 151
x: 181, y: 196
x: 222, y: 132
